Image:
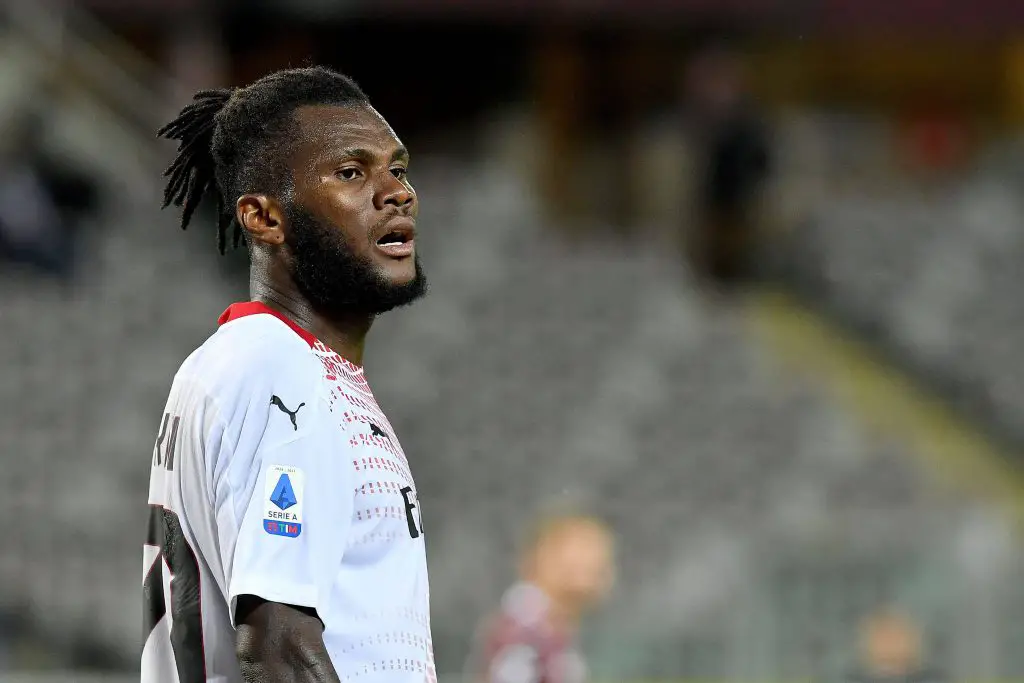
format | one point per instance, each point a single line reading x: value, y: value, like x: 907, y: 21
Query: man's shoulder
x: 522, y: 618
x: 249, y: 353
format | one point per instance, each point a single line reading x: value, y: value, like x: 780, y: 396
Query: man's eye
x: 348, y: 173
x: 399, y: 172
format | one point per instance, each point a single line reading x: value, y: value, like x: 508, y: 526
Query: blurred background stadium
x: 739, y: 275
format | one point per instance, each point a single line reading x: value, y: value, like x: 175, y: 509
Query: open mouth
x: 395, y: 237
x: 398, y: 242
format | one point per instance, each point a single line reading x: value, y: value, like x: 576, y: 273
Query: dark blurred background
x: 740, y: 275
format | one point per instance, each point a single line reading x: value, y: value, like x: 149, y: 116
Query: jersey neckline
x: 247, y: 308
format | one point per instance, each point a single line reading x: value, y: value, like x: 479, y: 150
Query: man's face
x: 350, y: 225
x: 891, y: 645
x: 579, y: 558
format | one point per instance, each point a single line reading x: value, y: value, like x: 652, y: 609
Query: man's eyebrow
x: 353, y: 153
x: 400, y: 154
x: 366, y: 156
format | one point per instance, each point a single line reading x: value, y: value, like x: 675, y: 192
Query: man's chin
x: 402, y: 292
x: 399, y: 273
x: 405, y: 284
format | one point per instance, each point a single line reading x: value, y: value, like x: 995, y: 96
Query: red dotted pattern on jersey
x: 409, y: 614
x: 335, y: 366
x: 367, y: 438
x: 378, y: 537
x: 403, y: 613
x: 372, y: 488
x: 378, y: 463
x: 392, y: 511
x: 349, y: 384
x: 366, y: 403
x: 398, y: 638
x: 383, y: 443
x: 392, y: 665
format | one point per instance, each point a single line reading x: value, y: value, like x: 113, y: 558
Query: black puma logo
x: 377, y: 431
x: 276, y: 401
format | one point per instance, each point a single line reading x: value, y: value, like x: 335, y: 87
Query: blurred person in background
x: 44, y: 199
x: 281, y: 502
x: 731, y: 144
x: 566, y: 569
x: 891, y: 650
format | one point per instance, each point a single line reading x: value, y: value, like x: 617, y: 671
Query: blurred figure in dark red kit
x: 733, y: 159
x: 567, y: 567
x: 891, y: 650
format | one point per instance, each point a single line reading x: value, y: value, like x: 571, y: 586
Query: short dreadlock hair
x: 234, y: 141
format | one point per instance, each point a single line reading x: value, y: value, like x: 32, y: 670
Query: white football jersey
x: 276, y: 474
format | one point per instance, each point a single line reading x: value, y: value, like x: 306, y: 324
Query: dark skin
x: 278, y: 643
x: 350, y: 172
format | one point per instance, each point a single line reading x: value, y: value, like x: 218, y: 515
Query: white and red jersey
x: 521, y: 643
x: 276, y: 474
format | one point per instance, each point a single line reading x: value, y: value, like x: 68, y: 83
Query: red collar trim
x: 241, y: 310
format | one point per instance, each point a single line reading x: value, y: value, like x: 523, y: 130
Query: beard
x: 336, y: 281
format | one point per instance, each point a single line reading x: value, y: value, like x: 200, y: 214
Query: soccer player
x: 566, y: 569
x: 891, y: 650
x: 285, y: 540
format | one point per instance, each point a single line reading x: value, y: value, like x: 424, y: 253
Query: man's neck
x: 346, y: 337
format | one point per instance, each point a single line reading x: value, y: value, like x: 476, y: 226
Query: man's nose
x: 397, y: 194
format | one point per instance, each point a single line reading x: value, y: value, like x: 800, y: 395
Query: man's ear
x: 261, y: 217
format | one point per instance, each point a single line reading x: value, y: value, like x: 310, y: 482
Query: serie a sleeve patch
x: 283, y: 496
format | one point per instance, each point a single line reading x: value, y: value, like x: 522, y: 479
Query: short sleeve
x: 283, y: 496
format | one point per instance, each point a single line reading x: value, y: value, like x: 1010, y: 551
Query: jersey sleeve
x: 282, y: 490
